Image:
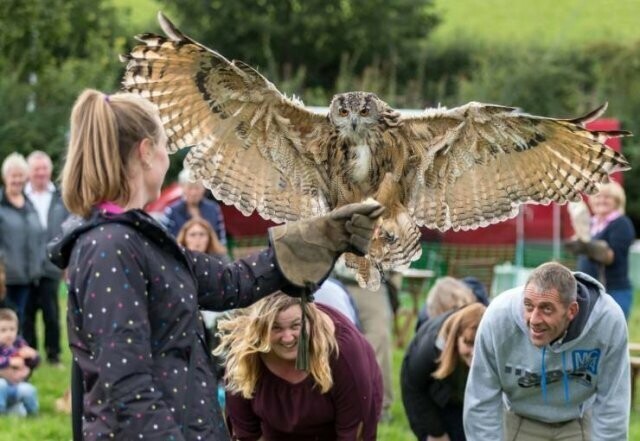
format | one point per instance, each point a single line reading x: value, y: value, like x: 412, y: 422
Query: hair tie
x: 106, y: 98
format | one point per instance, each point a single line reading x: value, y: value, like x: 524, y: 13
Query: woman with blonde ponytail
x: 134, y: 294
x: 434, y: 372
x: 340, y: 397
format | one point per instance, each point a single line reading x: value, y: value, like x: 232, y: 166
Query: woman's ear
x: 145, y: 152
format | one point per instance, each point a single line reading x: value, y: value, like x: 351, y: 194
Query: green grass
x: 52, y: 382
x: 546, y: 23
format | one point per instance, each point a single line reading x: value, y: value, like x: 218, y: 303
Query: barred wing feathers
x: 477, y: 163
x: 253, y: 147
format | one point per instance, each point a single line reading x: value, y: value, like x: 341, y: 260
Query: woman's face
x: 196, y: 238
x: 285, y: 333
x: 465, y: 345
x: 14, y: 180
x: 603, y: 203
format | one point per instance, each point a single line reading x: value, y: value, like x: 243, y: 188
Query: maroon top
x: 281, y: 411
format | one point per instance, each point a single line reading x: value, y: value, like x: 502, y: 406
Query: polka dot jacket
x: 134, y: 327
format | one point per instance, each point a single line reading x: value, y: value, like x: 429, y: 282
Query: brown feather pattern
x: 461, y: 168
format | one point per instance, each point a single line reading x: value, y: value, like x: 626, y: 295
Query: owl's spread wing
x: 253, y: 147
x: 475, y: 164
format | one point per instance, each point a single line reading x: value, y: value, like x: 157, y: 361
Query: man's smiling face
x: 546, y: 316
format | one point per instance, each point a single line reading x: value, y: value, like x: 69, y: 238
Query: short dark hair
x: 552, y: 275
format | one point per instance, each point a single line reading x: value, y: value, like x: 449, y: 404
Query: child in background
x: 17, y: 360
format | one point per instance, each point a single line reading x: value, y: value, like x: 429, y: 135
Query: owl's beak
x: 354, y: 123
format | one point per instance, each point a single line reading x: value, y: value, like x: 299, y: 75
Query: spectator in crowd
x: 17, y: 359
x: 376, y: 317
x: 43, y: 294
x: 606, y: 256
x: 434, y: 372
x: 134, y: 293
x: 22, y: 239
x: 194, y: 204
x: 449, y: 293
x: 269, y: 399
x: 334, y: 294
x: 197, y: 235
x: 546, y: 356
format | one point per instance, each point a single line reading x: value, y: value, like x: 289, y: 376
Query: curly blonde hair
x: 244, y: 335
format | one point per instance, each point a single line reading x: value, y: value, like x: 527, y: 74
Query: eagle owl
x: 459, y: 168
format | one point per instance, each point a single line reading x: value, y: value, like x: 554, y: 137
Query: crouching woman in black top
x: 434, y: 373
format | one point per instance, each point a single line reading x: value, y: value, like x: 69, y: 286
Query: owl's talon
x: 388, y: 236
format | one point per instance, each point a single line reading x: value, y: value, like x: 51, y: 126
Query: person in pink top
x: 269, y: 399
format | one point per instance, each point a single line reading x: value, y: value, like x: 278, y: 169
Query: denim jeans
x: 19, y: 295
x: 624, y: 298
x: 22, y: 393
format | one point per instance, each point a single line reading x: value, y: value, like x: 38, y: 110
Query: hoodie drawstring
x: 565, y: 378
x: 543, y: 380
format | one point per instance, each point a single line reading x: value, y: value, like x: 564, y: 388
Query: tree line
x: 52, y: 50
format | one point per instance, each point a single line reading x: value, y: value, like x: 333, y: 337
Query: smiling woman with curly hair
x: 268, y: 398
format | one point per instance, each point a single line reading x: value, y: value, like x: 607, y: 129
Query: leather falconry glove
x: 597, y: 250
x: 307, y: 250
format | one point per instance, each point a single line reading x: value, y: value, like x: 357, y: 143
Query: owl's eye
x: 365, y: 111
x: 343, y: 112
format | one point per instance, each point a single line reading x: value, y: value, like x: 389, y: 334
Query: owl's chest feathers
x: 360, y: 163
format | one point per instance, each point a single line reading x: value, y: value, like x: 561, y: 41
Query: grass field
x: 546, y: 23
x: 52, y: 382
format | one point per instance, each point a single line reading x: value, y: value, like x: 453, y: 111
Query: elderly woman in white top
x: 21, y: 235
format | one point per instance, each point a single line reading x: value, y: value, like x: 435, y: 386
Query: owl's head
x: 355, y: 112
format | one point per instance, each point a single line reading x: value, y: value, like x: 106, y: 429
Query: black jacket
x: 22, y: 242
x: 135, y: 330
x: 424, y: 397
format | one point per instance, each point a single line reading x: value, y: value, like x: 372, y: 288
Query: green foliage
x: 51, y: 51
x: 554, y: 87
x: 304, y: 43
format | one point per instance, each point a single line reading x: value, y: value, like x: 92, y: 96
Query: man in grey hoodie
x: 546, y: 356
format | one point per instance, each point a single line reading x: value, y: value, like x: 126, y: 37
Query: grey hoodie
x: 587, y: 368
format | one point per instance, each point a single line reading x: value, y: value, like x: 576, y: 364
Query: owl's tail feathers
x: 365, y: 271
x: 397, y: 243
x: 395, y: 246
